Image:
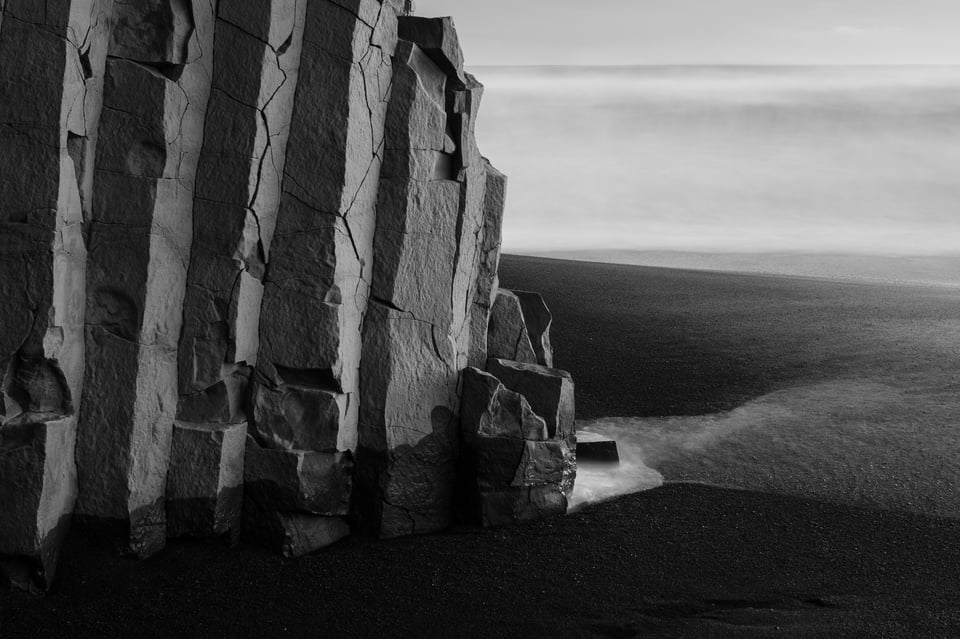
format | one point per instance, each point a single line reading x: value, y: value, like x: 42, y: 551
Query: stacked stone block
x: 518, y: 427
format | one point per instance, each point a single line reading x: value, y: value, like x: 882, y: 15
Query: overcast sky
x: 613, y: 32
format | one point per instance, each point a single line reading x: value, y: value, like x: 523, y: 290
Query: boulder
x: 549, y: 391
x: 507, y: 336
x: 205, y: 483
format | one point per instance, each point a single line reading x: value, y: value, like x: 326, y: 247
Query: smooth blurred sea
x: 714, y: 159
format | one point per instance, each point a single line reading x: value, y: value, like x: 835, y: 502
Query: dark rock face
x: 538, y: 319
x: 204, y: 495
x: 507, y: 334
x: 549, y: 391
x: 246, y: 251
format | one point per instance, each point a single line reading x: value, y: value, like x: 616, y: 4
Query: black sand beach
x: 752, y: 556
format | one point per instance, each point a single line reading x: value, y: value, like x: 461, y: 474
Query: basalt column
x: 51, y: 69
x: 316, y: 288
x: 157, y: 84
x: 430, y: 257
x: 238, y: 188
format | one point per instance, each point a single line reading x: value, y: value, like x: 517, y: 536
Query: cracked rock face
x: 549, y: 391
x: 417, y: 334
x: 512, y: 468
x: 537, y: 320
x: 507, y: 335
x: 246, y: 251
x: 156, y: 86
x: 205, y: 482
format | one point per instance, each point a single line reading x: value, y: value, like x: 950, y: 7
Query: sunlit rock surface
x: 507, y: 335
x: 247, y: 249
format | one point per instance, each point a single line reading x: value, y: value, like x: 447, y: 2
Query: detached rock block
x: 489, y: 409
x: 512, y: 469
x: 298, y: 480
x: 507, y: 335
x: 549, y: 391
x: 291, y: 534
x: 37, y: 494
x: 301, y: 417
x: 205, y: 481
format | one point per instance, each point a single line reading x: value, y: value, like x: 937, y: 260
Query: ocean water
x: 845, y: 160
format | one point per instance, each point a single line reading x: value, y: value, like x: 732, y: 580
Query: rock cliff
x: 248, y: 263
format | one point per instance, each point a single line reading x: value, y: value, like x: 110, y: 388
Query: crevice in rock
x: 171, y: 71
x: 76, y: 145
x: 313, y: 378
x: 85, y: 63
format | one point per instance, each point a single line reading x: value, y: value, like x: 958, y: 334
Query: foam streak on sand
x: 599, y: 482
x: 864, y: 442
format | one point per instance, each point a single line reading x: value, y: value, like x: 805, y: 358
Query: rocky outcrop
x: 515, y: 468
x: 247, y: 250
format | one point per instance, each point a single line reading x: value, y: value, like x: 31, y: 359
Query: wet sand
x: 683, y: 560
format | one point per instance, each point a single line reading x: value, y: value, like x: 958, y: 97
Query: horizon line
x: 717, y: 64
x: 738, y: 251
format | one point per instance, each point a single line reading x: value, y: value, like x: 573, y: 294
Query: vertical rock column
x: 494, y: 201
x: 51, y: 64
x: 430, y: 248
x: 238, y: 188
x: 316, y: 287
x: 155, y: 96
